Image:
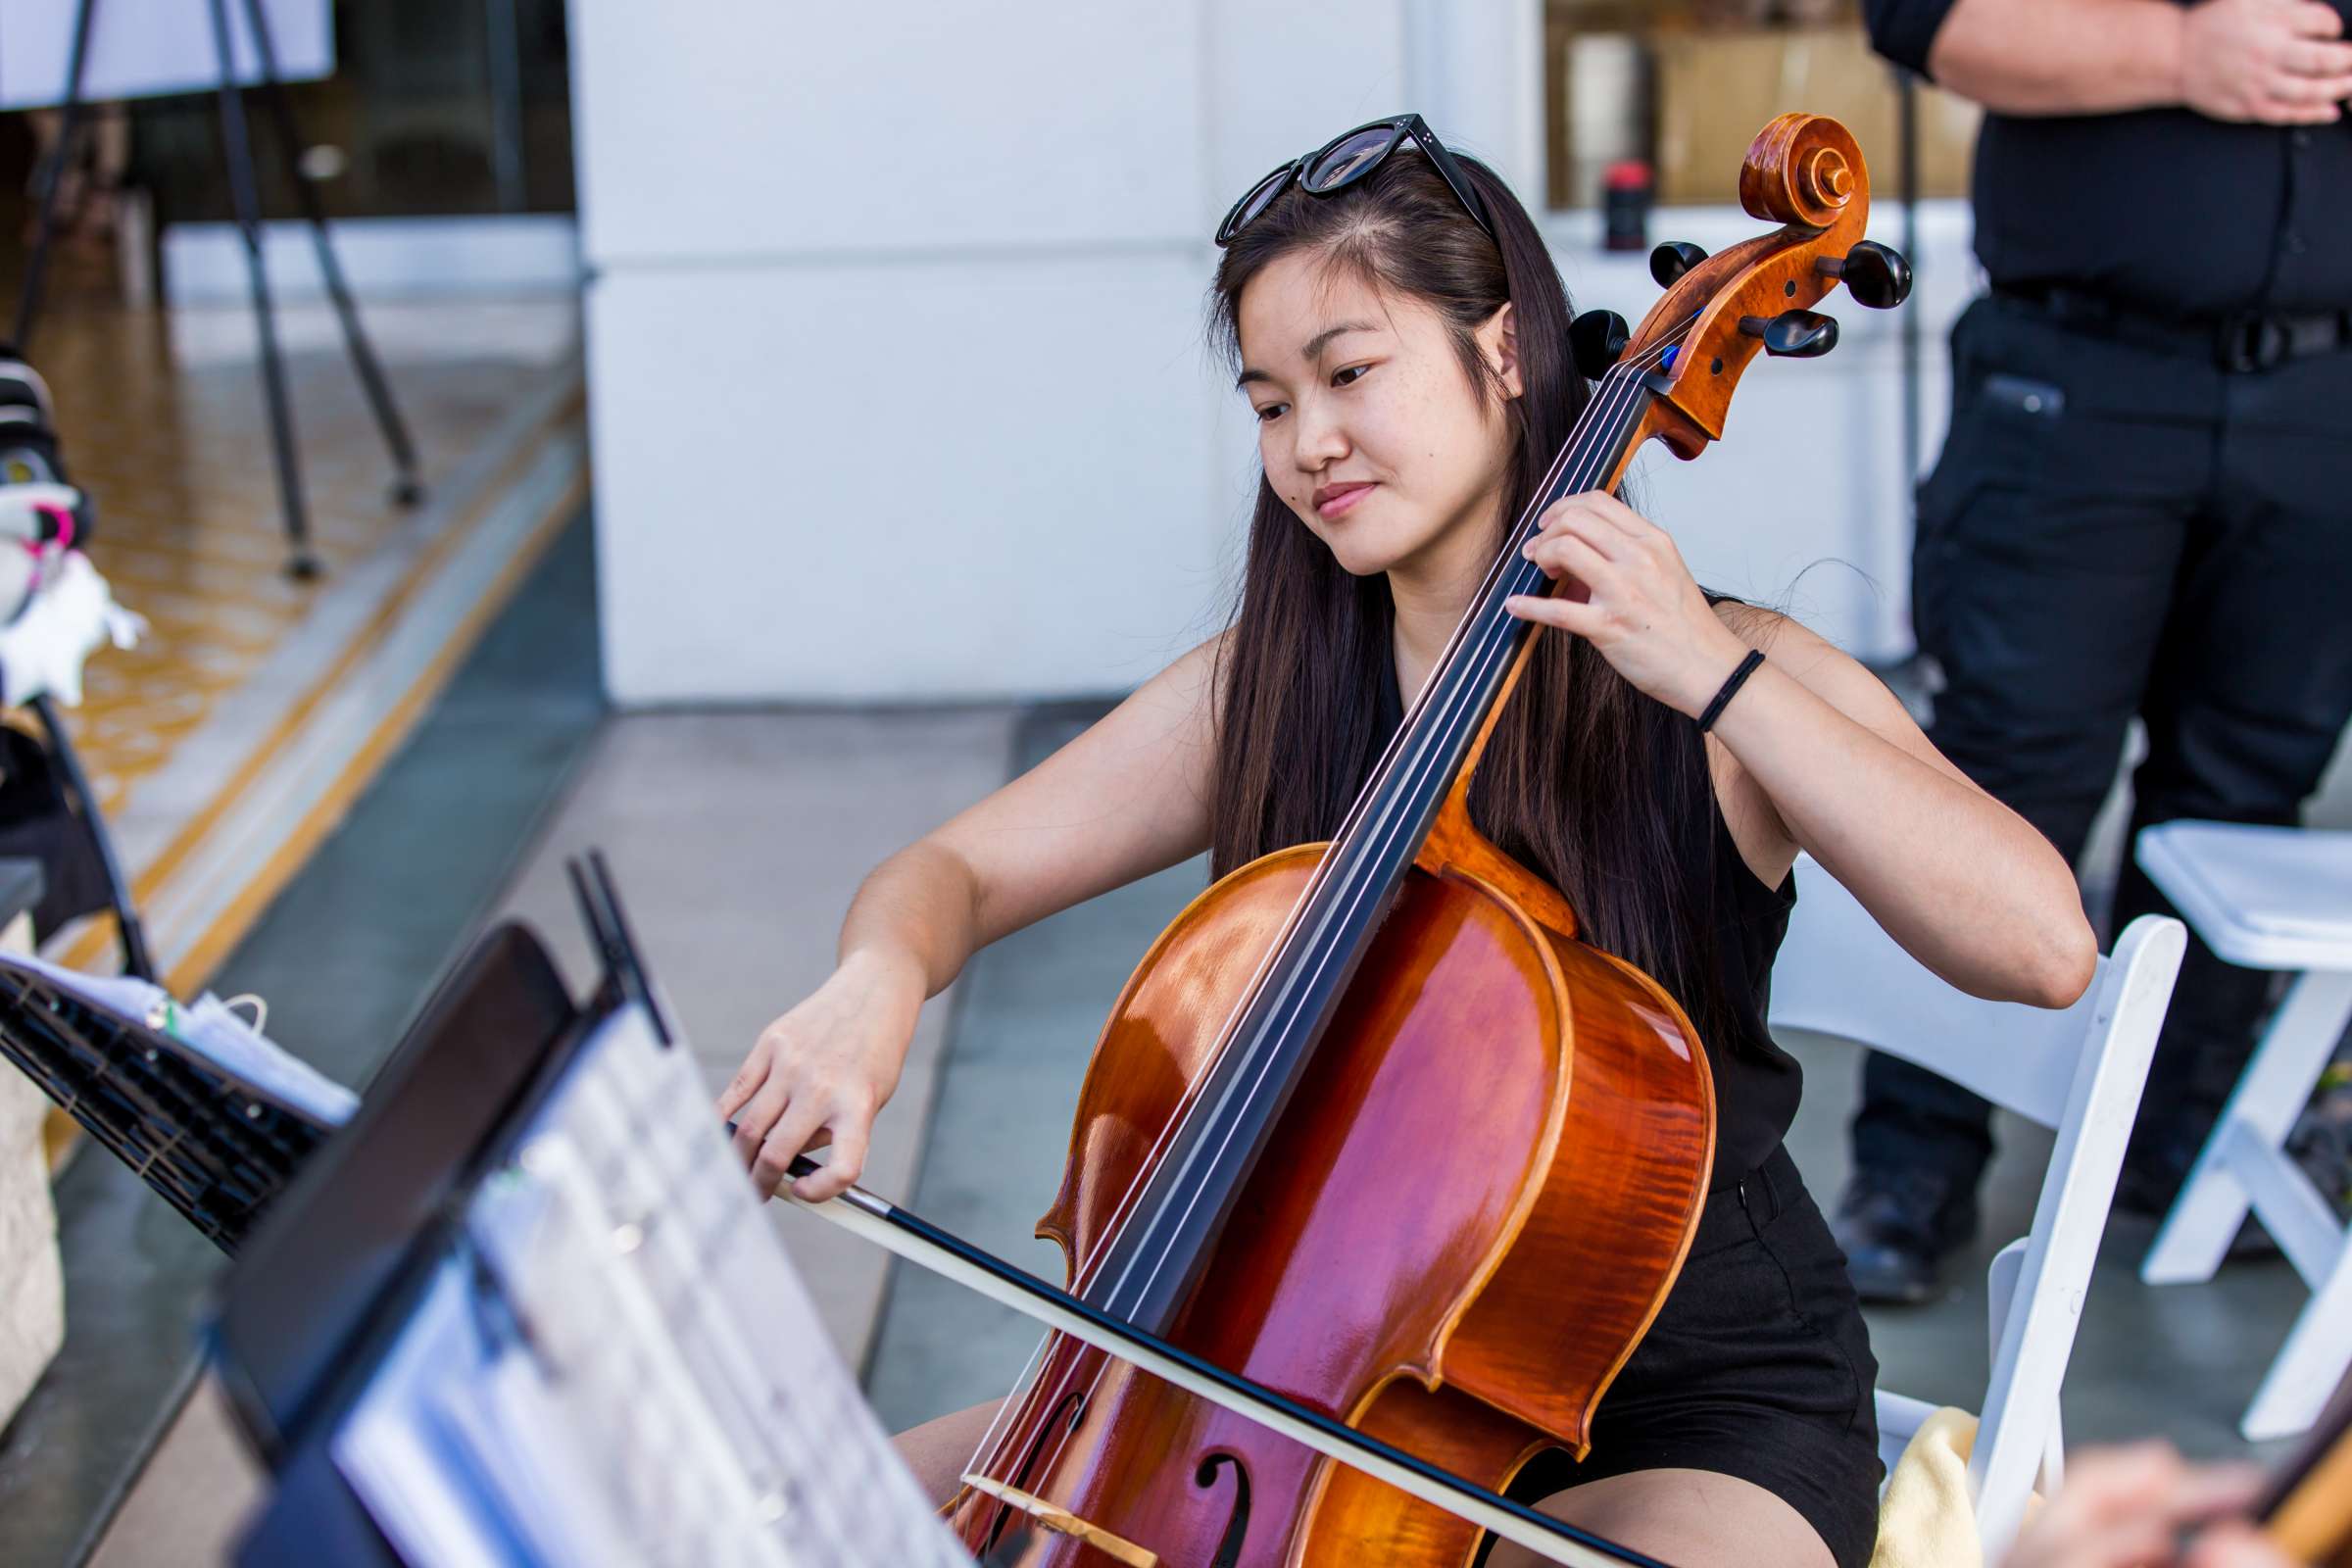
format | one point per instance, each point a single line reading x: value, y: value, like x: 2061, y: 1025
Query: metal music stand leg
x: 406, y: 490
x: 29, y: 302
x: 135, y: 958
x: 237, y: 152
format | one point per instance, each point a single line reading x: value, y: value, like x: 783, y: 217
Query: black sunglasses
x: 1346, y: 159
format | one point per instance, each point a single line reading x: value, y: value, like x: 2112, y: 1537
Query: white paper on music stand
x: 643, y: 1379
x: 208, y: 1030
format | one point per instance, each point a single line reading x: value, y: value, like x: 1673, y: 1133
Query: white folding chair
x: 2078, y: 1071
x: 2268, y: 898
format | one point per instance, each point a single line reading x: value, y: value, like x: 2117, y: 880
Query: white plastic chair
x: 2268, y: 898
x: 2078, y: 1071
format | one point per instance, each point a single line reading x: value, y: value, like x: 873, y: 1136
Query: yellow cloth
x: 1925, y: 1519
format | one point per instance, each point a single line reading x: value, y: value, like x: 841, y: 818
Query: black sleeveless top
x: 1756, y: 1083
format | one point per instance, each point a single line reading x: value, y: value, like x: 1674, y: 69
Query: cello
x: 1253, y: 1175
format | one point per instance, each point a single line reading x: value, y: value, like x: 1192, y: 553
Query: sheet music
x: 625, y: 1369
x: 208, y: 1029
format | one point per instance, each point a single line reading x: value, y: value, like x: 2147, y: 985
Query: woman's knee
x: 1697, y: 1518
x: 941, y: 1450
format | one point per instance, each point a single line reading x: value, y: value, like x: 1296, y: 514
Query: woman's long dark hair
x: 1587, y: 781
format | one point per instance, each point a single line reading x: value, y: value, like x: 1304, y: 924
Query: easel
x: 237, y: 156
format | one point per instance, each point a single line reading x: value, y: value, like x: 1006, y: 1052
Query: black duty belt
x: 2239, y: 343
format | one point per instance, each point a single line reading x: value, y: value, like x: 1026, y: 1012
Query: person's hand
x: 821, y: 1073
x: 1629, y: 594
x: 2271, y: 61
x: 2127, y: 1507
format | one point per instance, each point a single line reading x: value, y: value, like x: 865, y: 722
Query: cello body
x: 1481, y: 1195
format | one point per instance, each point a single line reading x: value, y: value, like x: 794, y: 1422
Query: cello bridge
x: 1062, y: 1522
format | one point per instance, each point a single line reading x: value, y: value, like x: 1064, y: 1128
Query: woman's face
x: 1369, y: 429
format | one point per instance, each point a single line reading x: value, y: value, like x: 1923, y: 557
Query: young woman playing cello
x: 1400, y: 334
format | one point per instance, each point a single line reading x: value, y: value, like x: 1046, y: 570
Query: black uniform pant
x: 2118, y: 528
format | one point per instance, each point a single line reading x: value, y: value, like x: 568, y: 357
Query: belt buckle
x: 2251, y: 341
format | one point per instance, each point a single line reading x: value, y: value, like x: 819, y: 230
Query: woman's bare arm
x: 1128, y: 797
x: 2277, y: 62
x: 1965, y: 884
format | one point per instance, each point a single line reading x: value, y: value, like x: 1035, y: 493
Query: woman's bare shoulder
x: 1197, y: 673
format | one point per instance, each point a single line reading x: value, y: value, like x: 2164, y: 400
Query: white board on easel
x: 152, y: 48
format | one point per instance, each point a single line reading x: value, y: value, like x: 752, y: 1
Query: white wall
x: 898, y: 389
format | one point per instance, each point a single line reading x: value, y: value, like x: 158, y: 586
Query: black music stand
x: 317, y: 1295
x: 216, y: 1146
x: 237, y: 155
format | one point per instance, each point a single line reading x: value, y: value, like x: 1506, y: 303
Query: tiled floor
x: 173, y: 445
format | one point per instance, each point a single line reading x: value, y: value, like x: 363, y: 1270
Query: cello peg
x: 1794, y: 334
x: 1669, y: 262
x: 1875, y: 274
x: 1596, y: 339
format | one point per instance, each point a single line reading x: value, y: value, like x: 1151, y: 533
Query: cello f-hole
x: 1237, y: 1523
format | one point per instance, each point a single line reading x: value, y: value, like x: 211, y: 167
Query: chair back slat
x: 2030, y: 1354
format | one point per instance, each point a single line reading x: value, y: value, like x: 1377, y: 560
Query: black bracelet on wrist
x: 1730, y: 689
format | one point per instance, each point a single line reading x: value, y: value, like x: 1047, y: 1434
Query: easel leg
x: 406, y: 491
x: 29, y: 302
x: 237, y: 152
x: 136, y: 961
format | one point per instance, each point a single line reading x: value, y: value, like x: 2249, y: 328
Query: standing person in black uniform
x: 2144, y: 504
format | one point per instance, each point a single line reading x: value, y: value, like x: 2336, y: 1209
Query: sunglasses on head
x: 1348, y: 158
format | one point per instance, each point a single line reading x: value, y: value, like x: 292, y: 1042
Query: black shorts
x: 1758, y: 1367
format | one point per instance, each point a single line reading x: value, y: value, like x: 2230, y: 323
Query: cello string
x: 1432, y: 753
x: 1325, y: 870
x: 1253, y: 990
x: 1615, y: 400
x: 1009, y: 1407
x: 1611, y: 404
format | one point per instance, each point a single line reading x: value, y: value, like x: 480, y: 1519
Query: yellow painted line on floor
x: 148, y: 880
x: 215, y: 943
x: 60, y: 1134
x: 379, y: 627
